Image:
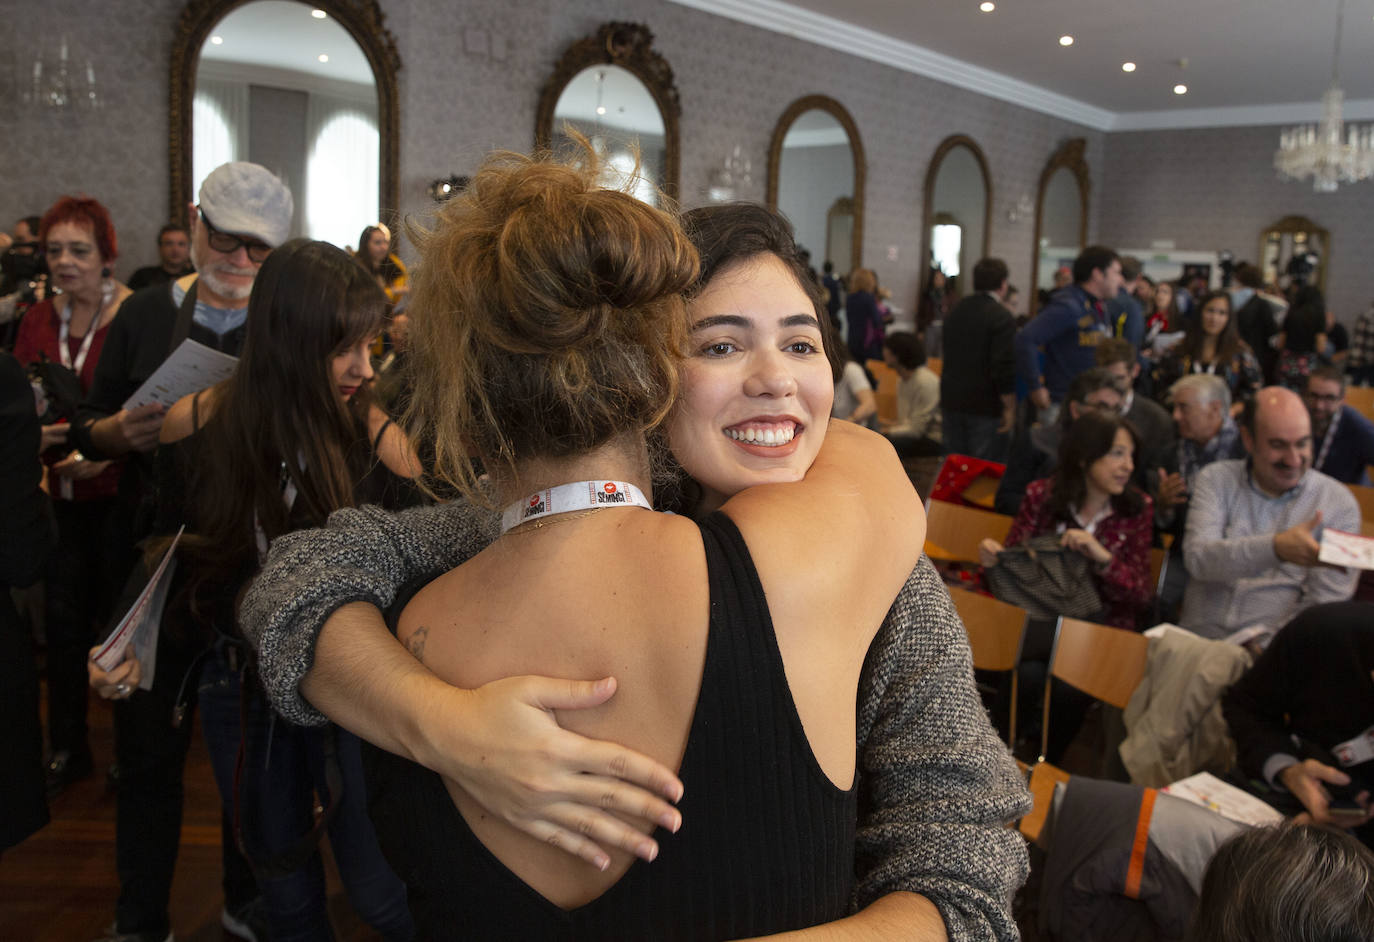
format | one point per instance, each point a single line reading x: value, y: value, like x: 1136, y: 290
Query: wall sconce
x: 53, y: 87
x: 722, y: 187
x: 447, y: 189
x: 1021, y: 209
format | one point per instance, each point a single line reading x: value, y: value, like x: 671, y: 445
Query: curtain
x: 341, y: 169
x: 219, y: 122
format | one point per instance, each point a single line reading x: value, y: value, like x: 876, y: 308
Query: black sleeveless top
x: 766, y: 844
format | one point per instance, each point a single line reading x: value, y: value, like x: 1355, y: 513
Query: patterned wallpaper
x: 470, y: 82
x: 1213, y: 189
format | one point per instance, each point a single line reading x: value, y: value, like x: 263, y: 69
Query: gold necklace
x: 533, y: 525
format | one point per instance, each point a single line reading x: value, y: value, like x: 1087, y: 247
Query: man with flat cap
x: 243, y: 212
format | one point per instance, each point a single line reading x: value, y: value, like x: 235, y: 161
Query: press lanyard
x: 1326, y: 442
x: 578, y: 495
x: 63, y: 352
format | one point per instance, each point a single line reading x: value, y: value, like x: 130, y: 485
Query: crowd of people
x: 766, y: 715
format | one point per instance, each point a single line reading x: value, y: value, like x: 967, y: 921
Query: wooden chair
x: 1361, y: 398
x: 886, y: 393
x: 953, y: 531
x: 1105, y: 663
x: 936, y: 365
x: 996, y: 632
x: 1043, y: 778
x: 1364, y: 496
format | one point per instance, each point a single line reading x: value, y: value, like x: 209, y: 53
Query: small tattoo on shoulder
x: 416, y: 643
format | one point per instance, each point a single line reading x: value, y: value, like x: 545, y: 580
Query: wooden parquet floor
x: 60, y: 885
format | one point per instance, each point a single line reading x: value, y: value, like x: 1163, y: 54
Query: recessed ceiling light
x: 318, y: 14
x: 987, y: 6
x: 1180, y: 89
x: 217, y: 40
x: 600, y: 109
x: 1066, y: 40
x: 1128, y: 67
x: 323, y: 57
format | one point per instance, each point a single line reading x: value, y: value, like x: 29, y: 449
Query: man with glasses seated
x: 1342, y: 438
x: 243, y: 213
x: 1034, y: 456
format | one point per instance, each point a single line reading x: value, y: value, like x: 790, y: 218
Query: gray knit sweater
x: 936, y: 786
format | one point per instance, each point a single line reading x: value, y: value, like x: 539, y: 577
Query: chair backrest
x: 1364, y: 496
x: 1159, y: 558
x: 995, y: 629
x: 1105, y: 663
x: 954, y: 531
x: 936, y: 365
x: 1361, y: 398
x: 886, y: 392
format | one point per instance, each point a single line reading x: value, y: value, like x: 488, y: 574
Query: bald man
x: 1255, y: 525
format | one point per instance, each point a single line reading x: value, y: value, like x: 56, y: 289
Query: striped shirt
x: 1237, y: 580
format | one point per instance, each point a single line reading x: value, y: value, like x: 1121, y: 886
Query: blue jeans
x: 973, y: 435
x: 283, y: 771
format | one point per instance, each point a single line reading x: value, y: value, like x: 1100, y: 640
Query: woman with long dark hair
x: 1092, y: 504
x: 1212, y: 344
x: 374, y: 254
x: 288, y: 439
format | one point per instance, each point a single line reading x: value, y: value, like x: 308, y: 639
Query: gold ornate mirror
x: 816, y: 179
x: 617, y: 91
x: 956, y: 208
x: 335, y: 110
x: 1295, y: 248
x: 1061, y: 215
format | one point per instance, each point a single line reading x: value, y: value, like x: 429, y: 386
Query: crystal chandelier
x: 53, y: 85
x: 1327, y: 152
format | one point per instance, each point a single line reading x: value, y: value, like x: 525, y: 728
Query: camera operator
x: 23, y: 275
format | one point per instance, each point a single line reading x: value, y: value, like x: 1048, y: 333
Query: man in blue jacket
x: 1068, y: 329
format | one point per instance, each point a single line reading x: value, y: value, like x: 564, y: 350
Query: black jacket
x: 979, y: 364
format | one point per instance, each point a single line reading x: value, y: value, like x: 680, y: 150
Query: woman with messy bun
x: 933, y: 786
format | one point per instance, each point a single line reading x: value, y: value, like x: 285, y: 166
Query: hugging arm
x: 500, y: 741
x: 937, y: 788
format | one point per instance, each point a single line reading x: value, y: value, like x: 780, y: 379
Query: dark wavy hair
x: 1229, y: 344
x: 1090, y: 437
x: 279, y: 414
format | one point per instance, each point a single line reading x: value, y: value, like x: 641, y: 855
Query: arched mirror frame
x: 1291, y: 225
x: 856, y: 148
x: 928, y: 200
x: 630, y: 46
x: 364, y: 21
x: 1069, y: 156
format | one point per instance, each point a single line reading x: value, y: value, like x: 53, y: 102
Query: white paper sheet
x: 1340, y: 548
x: 140, y: 624
x: 1226, y: 800
x: 191, y: 368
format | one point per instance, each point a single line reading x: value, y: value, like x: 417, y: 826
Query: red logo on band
x: 534, y: 501
x: 610, y: 487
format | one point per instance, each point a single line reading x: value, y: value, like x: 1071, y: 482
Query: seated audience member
x: 174, y: 258
x: 1309, y: 702
x: 1206, y: 433
x: 978, y: 382
x: 917, y: 429
x: 1253, y: 526
x: 1091, y: 502
x: 1342, y: 438
x: 1035, y: 455
x: 1151, y: 422
x: 1125, y: 316
x: 1337, y: 339
x: 1256, y: 319
x: 1293, y: 883
x: 1303, y: 343
x: 1360, y: 361
x: 854, y: 397
x: 1211, y: 344
x: 1067, y: 329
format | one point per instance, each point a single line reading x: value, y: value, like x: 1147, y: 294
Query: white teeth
x: 766, y: 437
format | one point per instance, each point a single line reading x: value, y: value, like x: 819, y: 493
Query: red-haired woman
x: 67, y: 331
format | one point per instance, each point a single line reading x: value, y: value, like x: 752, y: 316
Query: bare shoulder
x: 180, y: 421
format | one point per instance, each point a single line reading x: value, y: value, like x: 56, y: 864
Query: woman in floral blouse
x: 1091, y: 502
x: 1212, y: 344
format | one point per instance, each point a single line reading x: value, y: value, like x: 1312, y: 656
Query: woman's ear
x: 105, y: 271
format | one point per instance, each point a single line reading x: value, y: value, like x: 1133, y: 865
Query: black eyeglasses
x: 227, y: 243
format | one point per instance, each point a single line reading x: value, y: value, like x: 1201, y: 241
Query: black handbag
x: 1046, y: 579
x: 61, y: 387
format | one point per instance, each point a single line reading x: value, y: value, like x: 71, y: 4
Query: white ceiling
x: 283, y: 35
x: 1249, y: 61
